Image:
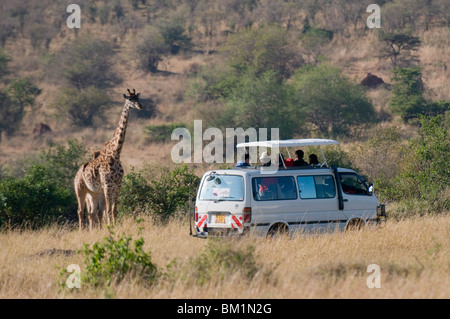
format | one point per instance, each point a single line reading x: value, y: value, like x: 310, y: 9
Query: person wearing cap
x: 265, y: 159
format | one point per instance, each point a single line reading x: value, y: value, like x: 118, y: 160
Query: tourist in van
x: 313, y: 160
x: 299, y: 161
x: 265, y: 159
x: 245, y: 162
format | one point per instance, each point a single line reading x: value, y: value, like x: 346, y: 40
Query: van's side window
x: 319, y: 186
x: 353, y: 184
x: 274, y: 188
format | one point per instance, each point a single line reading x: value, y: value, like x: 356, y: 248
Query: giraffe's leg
x: 114, y: 212
x: 108, y: 204
x: 94, y: 209
x: 101, y: 209
x: 115, y: 198
x: 80, y: 192
x: 90, y: 208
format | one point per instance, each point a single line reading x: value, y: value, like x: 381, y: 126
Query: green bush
x: 161, y: 133
x: 116, y: 258
x: 133, y: 194
x: 407, y: 96
x: 43, y: 193
x: 334, y: 155
x: 221, y: 261
x: 425, y: 172
x: 34, y: 200
x: 4, y: 60
x: 159, y: 191
x: 407, y: 91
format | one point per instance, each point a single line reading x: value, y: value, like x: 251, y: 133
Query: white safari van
x: 304, y: 199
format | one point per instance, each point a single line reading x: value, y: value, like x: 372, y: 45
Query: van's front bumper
x: 381, y: 213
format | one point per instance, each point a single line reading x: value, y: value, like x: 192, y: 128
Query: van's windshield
x: 222, y: 187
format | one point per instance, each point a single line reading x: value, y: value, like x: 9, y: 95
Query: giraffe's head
x: 133, y: 99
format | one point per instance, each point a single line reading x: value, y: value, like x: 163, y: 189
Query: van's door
x: 357, y: 200
x: 318, y: 207
x: 274, y: 200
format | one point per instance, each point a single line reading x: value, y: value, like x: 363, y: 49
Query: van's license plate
x: 219, y: 218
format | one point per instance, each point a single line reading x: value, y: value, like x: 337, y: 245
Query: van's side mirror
x: 370, y: 188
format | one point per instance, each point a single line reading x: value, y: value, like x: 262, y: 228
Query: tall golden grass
x: 413, y: 256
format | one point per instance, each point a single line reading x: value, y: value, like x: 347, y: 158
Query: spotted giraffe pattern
x: 85, y: 199
x: 103, y: 175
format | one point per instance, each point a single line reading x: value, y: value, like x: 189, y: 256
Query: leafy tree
x: 23, y: 92
x: 407, y: 99
x: 260, y: 102
x: 330, y: 102
x: 263, y: 49
x: 407, y: 91
x: 212, y: 83
x: 87, y: 62
x: 151, y: 49
x: 19, y: 94
x: 4, y: 60
x: 399, y: 48
x: 173, y: 32
x: 11, y: 114
x: 162, y: 132
x: 313, y: 39
x: 63, y: 161
x: 83, y: 106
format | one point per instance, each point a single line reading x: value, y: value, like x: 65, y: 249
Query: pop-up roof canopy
x: 292, y: 143
x: 289, y: 143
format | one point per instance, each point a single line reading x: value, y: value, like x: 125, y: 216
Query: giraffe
x: 103, y: 175
x: 83, y: 197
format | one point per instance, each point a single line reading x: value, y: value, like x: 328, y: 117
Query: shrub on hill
x: 330, y: 102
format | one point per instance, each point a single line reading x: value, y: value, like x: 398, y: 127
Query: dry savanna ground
x: 413, y: 256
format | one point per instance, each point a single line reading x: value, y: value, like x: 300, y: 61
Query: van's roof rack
x: 292, y: 143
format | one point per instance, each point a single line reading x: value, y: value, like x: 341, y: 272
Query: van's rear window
x: 222, y: 187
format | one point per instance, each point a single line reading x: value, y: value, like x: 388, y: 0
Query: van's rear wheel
x: 355, y: 225
x: 278, y: 230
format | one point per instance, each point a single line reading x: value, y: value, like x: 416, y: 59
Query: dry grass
x: 413, y: 254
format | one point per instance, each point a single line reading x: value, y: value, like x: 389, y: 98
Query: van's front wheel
x: 355, y: 225
x: 278, y: 230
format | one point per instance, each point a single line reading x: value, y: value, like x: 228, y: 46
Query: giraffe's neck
x: 116, y: 143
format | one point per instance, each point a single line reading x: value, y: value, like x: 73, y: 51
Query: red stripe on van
x: 202, y: 220
x: 238, y: 224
